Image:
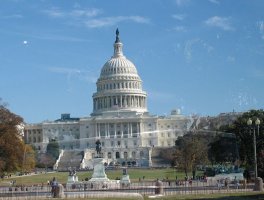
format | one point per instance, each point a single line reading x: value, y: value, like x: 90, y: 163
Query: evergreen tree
x: 53, y: 149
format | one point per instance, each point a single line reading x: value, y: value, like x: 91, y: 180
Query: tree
x: 46, y: 160
x: 245, y: 139
x: 191, y: 151
x: 223, y: 149
x: 29, y: 159
x: 53, y: 149
x: 12, y: 147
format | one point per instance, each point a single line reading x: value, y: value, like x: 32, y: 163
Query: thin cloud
x: 157, y: 95
x: 111, y: 21
x: 182, y: 2
x: 179, y: 17
x: 59, y: 38
x: 85, y: 13
x: 257, y: 73
x: 189, y: 45
x: 75, y: 13
x: 89, y: 17
x: 54, y: 12
x: 220, y: 22
x: 47, y: 36
x: 62, y: 70
x: 73, y: 73
x: 179, y: 28
x: 189, y: 48
x: 243, y: 99
x: 14, y: 16
x: 231, y: 59
x: 214, y: 1
x: 260, y: 26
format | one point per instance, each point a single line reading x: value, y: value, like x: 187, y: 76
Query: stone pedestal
x: 99, y: 171
x: 125, y: 180
x: 258, y: 184
x: 72, y: 179
x: 158, y: 187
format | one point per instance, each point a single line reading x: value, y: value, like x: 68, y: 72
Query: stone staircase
x: 70, y: 159
x: 157, y: 159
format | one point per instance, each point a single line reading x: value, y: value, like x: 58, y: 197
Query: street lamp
x: 257, y: 123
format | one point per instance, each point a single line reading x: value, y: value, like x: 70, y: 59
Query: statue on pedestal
x: 98, y: 147
x: 72, y: 178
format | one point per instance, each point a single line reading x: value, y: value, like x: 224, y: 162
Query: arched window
x: 133, y: 154
x: 109, y: 155
x: 125, y: 155
x: 117, y: 155
x: 141, y: 154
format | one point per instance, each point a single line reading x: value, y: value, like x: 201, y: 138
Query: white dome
x: 118, y: 66
x: 119, y: 86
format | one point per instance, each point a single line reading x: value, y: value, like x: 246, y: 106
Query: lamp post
x: 257, y: 123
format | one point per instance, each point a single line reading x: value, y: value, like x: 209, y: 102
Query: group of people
x: 225, y: 183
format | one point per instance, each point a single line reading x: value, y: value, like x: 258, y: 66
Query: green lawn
x: 135, y: 174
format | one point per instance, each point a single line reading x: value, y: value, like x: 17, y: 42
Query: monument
x: 99, y: 175
x: 72, y: 177
x: 125, y: 180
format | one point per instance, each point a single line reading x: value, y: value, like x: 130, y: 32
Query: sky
x: 204, y: 57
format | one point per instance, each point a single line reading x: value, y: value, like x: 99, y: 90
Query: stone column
x: 137, y: 128
x: 108, y: 132
x: 129, y: 101
x: 129, y: 154
x: 99, y: 130
x: 130, y: 129
x: 125, y: 101
x: 95, y: 102
x: 115, y: 129
x: 95, y: 127
x: 122, y: 130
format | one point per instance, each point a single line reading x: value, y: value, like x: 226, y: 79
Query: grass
x: 134, y: 174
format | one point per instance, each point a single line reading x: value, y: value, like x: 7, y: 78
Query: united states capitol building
x: 120, y: 120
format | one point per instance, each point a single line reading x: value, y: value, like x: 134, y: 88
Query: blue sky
x: 205, y: 57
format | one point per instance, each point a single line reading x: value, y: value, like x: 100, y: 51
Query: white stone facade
x: 120, y: 119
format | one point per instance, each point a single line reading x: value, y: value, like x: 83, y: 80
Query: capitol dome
x: 119, y: 87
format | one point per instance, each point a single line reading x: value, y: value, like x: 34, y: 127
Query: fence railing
x: 143, y: 188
